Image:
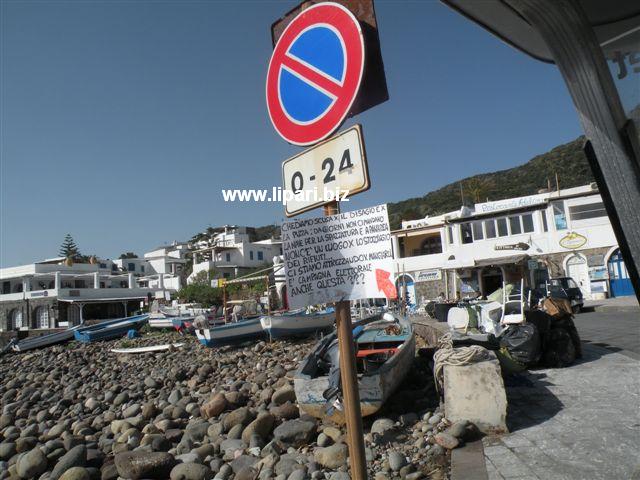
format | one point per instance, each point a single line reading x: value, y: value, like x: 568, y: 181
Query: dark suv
x: 566, y: 287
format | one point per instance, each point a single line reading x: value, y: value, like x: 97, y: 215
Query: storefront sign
x: 511, y: 204
x: 512, y: 246
x: 429, y: 275
x: 598, y: 273
x: 339, y: 257
x: 573, y: 241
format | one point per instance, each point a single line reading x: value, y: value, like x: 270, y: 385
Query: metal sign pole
x: 349, y: 380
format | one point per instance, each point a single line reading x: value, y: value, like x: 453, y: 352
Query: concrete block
x: 476, y: 393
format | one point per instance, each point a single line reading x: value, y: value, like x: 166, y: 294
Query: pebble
x: 396, y: 461
x: 190, y: 471
x: 332, y: 457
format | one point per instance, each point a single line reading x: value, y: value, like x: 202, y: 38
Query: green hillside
x: 568, y: 161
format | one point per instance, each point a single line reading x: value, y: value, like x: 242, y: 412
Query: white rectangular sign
x: 428, y: 275
x: 339, y: 257
x: 336, y: 165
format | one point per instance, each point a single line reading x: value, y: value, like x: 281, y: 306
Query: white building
x: 469, y: 252
x: 54, y: 294
x: 231, y: 252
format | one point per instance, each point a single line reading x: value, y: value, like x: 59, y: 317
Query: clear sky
x: 123, y: 120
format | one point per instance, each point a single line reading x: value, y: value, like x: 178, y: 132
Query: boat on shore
x: 110, y: 330
x: 297, y: 322
x: 46, y: 340
x: 230, y: 333
x: 385, y: 349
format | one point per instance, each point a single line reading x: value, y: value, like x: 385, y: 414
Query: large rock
x: 295, y: 432
x: 76, y: 457
x: 76, y: 473
x: 486, y: 407
x: 283, y: 395
x: 261, y: 426
x: 32, y: 464
x: 446, y: 440
x: 332, y: 457
x: 214, y: 407
x: 191, y: 471
x: 240, y: 416
x: 139, y: 464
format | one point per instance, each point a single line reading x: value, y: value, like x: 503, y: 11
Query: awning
x: 488, y: 262
x: 608, y: 19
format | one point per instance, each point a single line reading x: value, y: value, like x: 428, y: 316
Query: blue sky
x: 122, y: 121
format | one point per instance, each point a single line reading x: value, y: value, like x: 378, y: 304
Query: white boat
x: 230, y: 333
x: 160, y: 320
x: 153, y: 348
x: 297, y: 322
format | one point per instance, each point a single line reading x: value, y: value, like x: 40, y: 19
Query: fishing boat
x: 297, y: 322
x: 45, y: 340
x: 230, y: 333
x: 110, y: 330
x: 159, y: 320
x: 385, y: 349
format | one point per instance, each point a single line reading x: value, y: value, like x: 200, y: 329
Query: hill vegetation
x: 566, y: 161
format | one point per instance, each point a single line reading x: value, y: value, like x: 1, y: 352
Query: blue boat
x: 231, y: 333
x: 111, y: 329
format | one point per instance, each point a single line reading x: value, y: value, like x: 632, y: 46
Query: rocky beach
x: 79, y: 411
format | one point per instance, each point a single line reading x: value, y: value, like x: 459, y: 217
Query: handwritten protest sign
x: 339, y: 257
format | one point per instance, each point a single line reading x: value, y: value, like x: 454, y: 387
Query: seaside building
x: 232, y: 252
x: 468, y: 253
x: 56, y: 293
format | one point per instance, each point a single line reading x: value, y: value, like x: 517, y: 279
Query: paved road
x: 615, y: 331
x: 580, y: 422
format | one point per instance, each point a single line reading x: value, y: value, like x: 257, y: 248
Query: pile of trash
x: 523, y: 333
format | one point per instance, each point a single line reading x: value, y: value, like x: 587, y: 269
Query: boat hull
x: 111, y: 330
x: 230, y: 333
x: 277, y: 326
x: 374, y: 388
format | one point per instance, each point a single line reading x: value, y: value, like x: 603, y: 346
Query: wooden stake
x: 349, y: 380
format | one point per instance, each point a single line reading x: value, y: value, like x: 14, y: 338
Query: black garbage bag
x: 522, y: 342
x: 560, y: 350
x: 566, y: 324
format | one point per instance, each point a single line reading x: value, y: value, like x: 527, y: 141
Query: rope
x: 447, y: 355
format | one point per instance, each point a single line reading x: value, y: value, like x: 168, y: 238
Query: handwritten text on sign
x: 339, y: 257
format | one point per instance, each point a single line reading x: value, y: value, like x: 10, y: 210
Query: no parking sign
x: 315, y: 73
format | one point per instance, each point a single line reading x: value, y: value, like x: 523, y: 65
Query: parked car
x: 566, y: 287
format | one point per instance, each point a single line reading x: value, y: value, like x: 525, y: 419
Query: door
x: 578, y: 270
x: 42, y: 317
x: 619, y: 276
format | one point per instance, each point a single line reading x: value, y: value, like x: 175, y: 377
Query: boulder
x: 332, y: 457
x: 295, y: 432
x: 190, y: 471
x: 486, y: 407
x: 32, y: 464
x: 214, y: 407
x: 76, y: 457
x: 261, y: 426
x: 140, y: 464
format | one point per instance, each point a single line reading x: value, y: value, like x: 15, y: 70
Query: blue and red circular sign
x: 315, y: 73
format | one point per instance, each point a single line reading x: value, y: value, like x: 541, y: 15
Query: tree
x: 127, y: 255
x: 69, y: 247
x: 202, y: 294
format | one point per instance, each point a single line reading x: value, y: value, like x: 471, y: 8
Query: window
x: 490, y: 228
x: 503, y: 231
x: 527, y: 223
x: 260, y: 256
x: 250, y: 254
x: 142, y: 268
x: 430, y: 245
x: 465, y: 233
x: 590, y: 210
x: 131, y: 267
x: 514, y: 224
x: 477, y: 230
x: 114, y: 267
x: 16, y: 318
x: 103, y: 265
x: 450, y: 235
x: 559, y: 217
x: 227, y: 257
x: 545, y: 226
